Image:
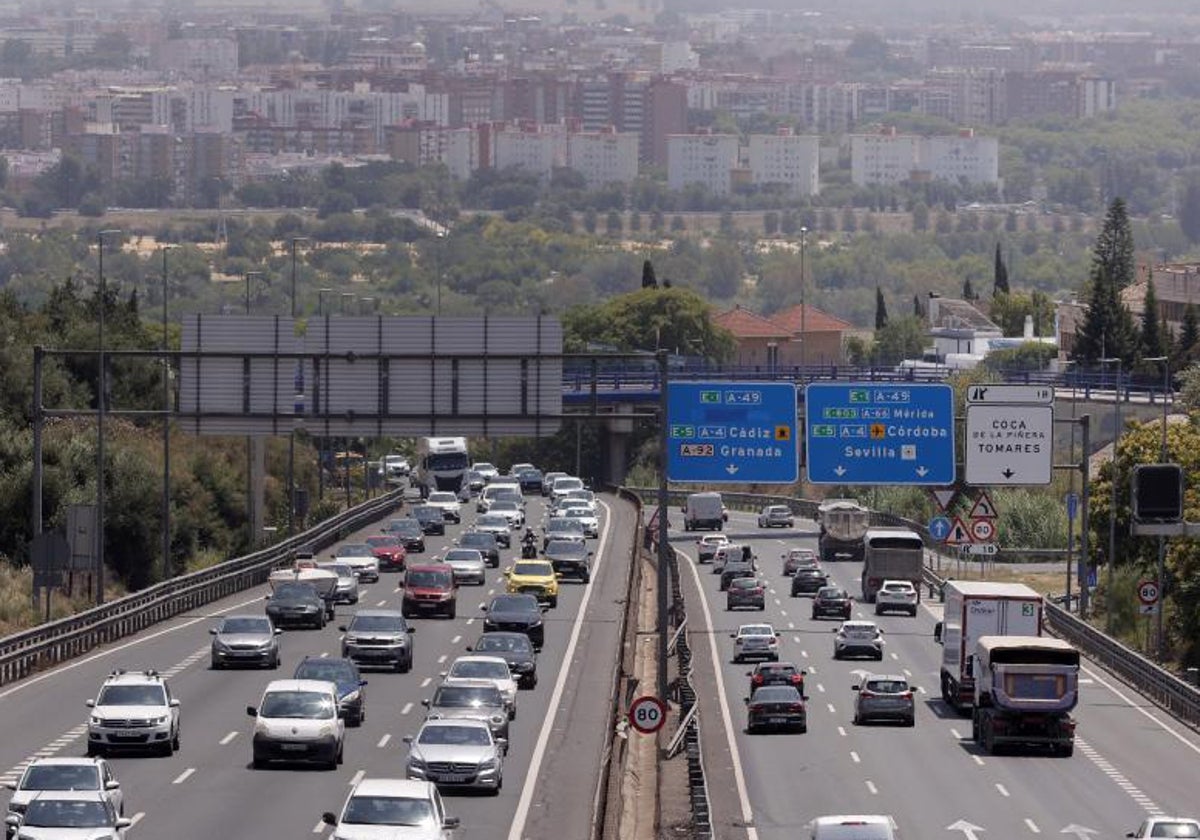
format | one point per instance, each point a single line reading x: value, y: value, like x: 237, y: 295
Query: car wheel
x: 912, y: 721
x: 554, y: 602
x: 857, y: 719
x: 175, y: 741
x: 92, y: 751
x: 1066, y: 750
x: 215, y: 665
x: 762, y: 607
x: 879, y: 656
x: 275, y: 663
x: 913, y: 612
x: 259, y: 763
x: 837, y: 654
x: 814, y: 615
x: 878, y: 610
x: 453, y: 611
x: 803, y: 728
x: 587, y: 577
x: 341, y: 750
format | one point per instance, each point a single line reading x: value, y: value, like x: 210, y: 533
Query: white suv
x: 449, y: 504
x: 134, y: 710
x: 379, y: 808
x: 755, y: 641
x: 899, y: 595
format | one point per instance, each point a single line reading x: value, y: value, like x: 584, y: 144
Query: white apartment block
x: 706, y: 159
x: 884, y: 159
x: 604, y: 157
x: 890, y: 158
x: 538, y: 152
x: 460, y: 151
x: 788, y: 159
x: 964, y: 157
x: 1099, y: 96
x: 197, y: 58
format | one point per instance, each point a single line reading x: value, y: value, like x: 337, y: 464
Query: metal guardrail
x: 28, y: 651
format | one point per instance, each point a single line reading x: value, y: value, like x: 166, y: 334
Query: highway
x: 208, y: 788
x: 1131, y: 760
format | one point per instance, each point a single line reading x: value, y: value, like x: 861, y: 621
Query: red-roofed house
x: 775, y: 341
x: 758, y: 341
x: 824, y: 335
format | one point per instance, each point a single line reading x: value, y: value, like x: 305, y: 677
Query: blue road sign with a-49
x: 880, y: 433
x: 732, y: 432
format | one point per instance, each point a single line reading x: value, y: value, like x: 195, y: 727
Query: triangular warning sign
x: 983, y: 508
x: 944, y: 496
x: 959, y: 535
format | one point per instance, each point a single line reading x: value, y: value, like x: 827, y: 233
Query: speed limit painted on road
x: 1147, y: 592
x: 647, y: 715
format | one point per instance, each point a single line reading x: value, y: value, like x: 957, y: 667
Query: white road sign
x: 986, y: 549
x: 647, y: 715
x: 1009, y: 444
x: 1010, y: 395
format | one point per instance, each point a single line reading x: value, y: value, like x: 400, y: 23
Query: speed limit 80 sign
x: 647, y: 715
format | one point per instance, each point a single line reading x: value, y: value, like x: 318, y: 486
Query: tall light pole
x: 101, y: 405
x: 250, y: 518
x: 321, y: 441
x: 1112, y: 504
x: 803, y: 341
x: 1162, y: 542
x: 166, y: 486
x: 437, y: 268
x: 291, y: 471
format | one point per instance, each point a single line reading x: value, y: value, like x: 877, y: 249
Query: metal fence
x: 49, y: 644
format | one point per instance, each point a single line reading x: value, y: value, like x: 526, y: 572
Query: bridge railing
x: 23, y: 653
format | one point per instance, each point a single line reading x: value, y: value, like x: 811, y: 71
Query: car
x: 494, y: 669
x: 133, y: 710
x: 409, y: 532
x: 378, y: 808
x: 378, y: 639
x: 746, y: 592
x: 517, y: 613
x: 391, y: 550
x: 897, y: 595
x: 497, y: 525
x: 475, y: 481
x: 1167, y: 827
x: 296, y: 603
x: 548, y: 481
x: 62, y: 773
x: 570, y: 557
x: 396, y: 466
x: 706, y: 547
x: 797, y: 558
x: 730, y: 551
x: 563, y: 485
x: 776, y: 706
x: 432, y: 519
x: 63, y: 814
x: 776, y: 673
x: 516, y: 469
x: 470, y: 700
x: 533, y: 577
x: 858, y: 638
x: 467, y: 564
x: 808, y: 580
x: 429, y: 588
x: 513, y: 648
x: 448, y: 503
x: 884, y: 697
x: 775, y: 516
x: 488, y: 471
x: 510, y: 510
x: 244, y: 640
x: 500, y: 490
x: 736, y: 569
x: 483, y: 542
x: 457, y: 753
x: 832, y: 600
x: 361, y: 557
x: 853, y: 827
x: 562, y: 528
x: 343, y: 673
x: 530, y: 480
x: 298, y: 720
x: 346, y: 589
x: 581, y: 495
x: 755, y: 641
x: 587, y: 518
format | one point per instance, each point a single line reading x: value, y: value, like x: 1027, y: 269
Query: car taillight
x: 867, y: 694
x: 797, y: 679
x: 758, y: 679
x: 906, y: 695
x: 795, y: 707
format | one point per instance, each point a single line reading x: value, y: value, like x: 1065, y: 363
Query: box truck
x: 891, y: 554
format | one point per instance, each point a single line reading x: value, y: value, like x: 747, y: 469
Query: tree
x: 649, y: 281
x: 1189, y: 212
x: 1000, y: 274
x: 1152, y: 338
x: 881, y: 316
x: 770, y: 223
x: 1113, y: 251
x: 903, y: 338
x: 649, y: 319
x: 918, y: 311
x: 920, y: 216
x: 1107, y: 329
x: 1189, y: 334
x: 968, y: 291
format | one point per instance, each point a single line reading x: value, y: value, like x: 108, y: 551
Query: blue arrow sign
x: 939, y: 527
x: 732, y: 432
x: 880, y: 433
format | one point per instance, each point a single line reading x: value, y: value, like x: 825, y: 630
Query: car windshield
x: 342, y: 570
x: 404, y: 526
x: 246, y: 625
x: 533, y: 569
x: 377, y: 542
x: 505, y: 505
x: 354, y: 550
x: 858, y: 629
x: 440, y: 497
x: 321, y: 669
x: 295, y: 591
x: 61, y: 777
x: 776, y: 694
x: 515, y: 603
x: 484, y: 466
x: 887, y: 686
x: 777, y: 670
x: 376, y: 623
x: 467, y: 697
x: 832, y: 593
x: 472, y: 736
x: 427, y: 512
x: 389, y: 810
x: 303, y: 705
x: 132, y: 695
x: 57, y: 813
x: 756, y: 630
x: 566, y: 548
x: 427, y: 577
x: 1175, y: 830
x: 480, y: 670
x: 504, y: 644
x: 468, y: 555
x: 477, y: 539
x: 563, y: 485
x: 744, y: 583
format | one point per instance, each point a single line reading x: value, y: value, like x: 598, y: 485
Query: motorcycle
x: 529, y: 550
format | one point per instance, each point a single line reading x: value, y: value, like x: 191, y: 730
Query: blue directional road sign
x: 880, y: 433
x: 732, y: 432
x: 939, y: 527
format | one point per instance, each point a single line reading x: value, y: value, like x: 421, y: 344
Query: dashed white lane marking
x: 791, y: 625
x: 784, y: 614
x: 491, y: 591
x: 978, y: 760
x: 382, y: 603
x: 183, y: 777
x: 470, y: 621
x: 324, y: 654
x: 357, y: 777
x: 1148, y: 805
x: 425, y: 682
x: 1002, y: 790
x: 229, y: 738
x: 407, y: 708
x: 871, y: 787
x: 841, y: 730
x: 319, y: 827
x: 456, y: 640
x: 832, y: 710
x: 1032, y: 826
x: 954, y: 732
x: 441, y: 659
x: 908, y: 673
x: 821, y: 687
x: 854, y: 757
x: 383, y: 742
x: 137, y: 818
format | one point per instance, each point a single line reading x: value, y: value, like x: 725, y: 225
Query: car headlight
x: 325, y: 730
x: 497, y: 720
x: 536, y: 624
x: 489, y: 764
x: 219, y: 645
x: 95, y: 720
x: 159, y: 721
x: 416, y: 763
x: 351, y: 640
x: 352, y: 697
x: 523, y: 667
x: 261, y: 727
x: 17, y: 807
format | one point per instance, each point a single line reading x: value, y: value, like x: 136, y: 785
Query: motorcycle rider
x: 529, y: 543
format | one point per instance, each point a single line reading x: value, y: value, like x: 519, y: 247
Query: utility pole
x: 664, y: 548
x: 803, y: 344
x: 291, y: 470
x: 102, y: 407
x: 166, y: 366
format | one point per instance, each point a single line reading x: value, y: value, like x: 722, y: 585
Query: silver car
x: 457, y: 753
x: 360, y: 557
x: 245, y: 640
x: 55, y: 814
x: 470, y: 700
x: 468, y: 565
x: 775, y: 516
x: 858, y: 638
x: 884, y: 697
x: 346, y: 590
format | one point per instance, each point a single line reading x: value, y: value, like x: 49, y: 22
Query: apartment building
x: 705, y: 159
x: 786, y: 159
x: 887, y: 158
x: 603, y: 157
x: 536, y: 149
x: 965, y: 157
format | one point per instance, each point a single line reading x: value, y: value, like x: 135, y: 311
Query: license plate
x: 128, y: 733
x: 293, y: 747
x: 776, y: 721
x: 452, y: 778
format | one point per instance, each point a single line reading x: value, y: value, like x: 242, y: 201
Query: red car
x: 390, y: 551
x: 429, y: 588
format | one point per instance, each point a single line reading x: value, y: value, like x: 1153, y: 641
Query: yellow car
x: 535, y: 577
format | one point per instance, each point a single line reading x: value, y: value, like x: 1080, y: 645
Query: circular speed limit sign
x: 647, y: 715
x: 1147, y: 592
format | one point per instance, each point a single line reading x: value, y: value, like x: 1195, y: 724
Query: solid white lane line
x: 183, y: 777
x: 954, y: 732
x: 383, y: 742
x: 425, y: 682
x: 1032, y: 826
x: 1095, y: 675
x: 854, y: 757
x: 356, y: 778
x: 407, y: 708
x: 871, y: 787
x: 1002, y: 789
x: 229, y: 738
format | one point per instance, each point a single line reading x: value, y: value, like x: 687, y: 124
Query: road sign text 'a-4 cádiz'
x: 732, y: 432
x: 880, y: 433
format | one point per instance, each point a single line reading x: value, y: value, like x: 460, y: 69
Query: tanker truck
x: 1025, y: 689
x: 843, y: 524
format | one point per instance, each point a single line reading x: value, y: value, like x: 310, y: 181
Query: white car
x: 448, y: 503
x: 457, y: 753
x: 488, y: 471
x: 773, y: 516
x: 1167, y: 827
x: 516, y: 469
x: 494, y: 669
x: 80, y: 774
x: 134, y: 710
x: 755, y: 641
x: 564, y: 485
x: 511, y: 511
x: 858, y: 638
x: 588, y: 519
x: 468, y: 565
x: 587, y: 496
x: 898, y: 595
x: 360, y: 557
x: 706, y: 546
x: 298, y: 720
x: 68, y: 815
x: 404, y: 809
x: 853, y: 827
x: 395, y: 467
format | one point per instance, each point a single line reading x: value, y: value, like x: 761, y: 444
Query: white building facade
x: 786, y: 159
x: 705, y: 159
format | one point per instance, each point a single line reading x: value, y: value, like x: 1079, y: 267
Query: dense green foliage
x: 1108, y: 330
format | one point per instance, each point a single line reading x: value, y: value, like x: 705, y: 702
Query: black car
x: 776, y: 706
x: 296, y: 603
x: 516, y: 614
x: 513, y: 648
x: 409, y: 532
x: 569, y: 557
x: 808, y: 581
x: 432, y: 519
x: 736, y: 569
x: 834, y: 601
x: 530, y: 481
x: 776, y: 673
x: 483, y: 542
x: 352, y: 700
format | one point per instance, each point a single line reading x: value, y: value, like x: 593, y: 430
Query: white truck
x: 844, y: 523
x: 1025, y: 689
x: 974, y: 609
x: 442, y: 464
x: 891, y: 554
x: 704, y: 510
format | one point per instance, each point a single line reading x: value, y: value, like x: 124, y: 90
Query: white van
x: 854, y: 827
x: 704, y: 510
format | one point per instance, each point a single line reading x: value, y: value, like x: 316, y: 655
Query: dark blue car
x: 344, y: 674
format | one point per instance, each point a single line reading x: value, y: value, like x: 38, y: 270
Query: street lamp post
x: 321, y: 301
x: 101, y: 405
x: 250, y: 518
x: 437, y: 268
x: 1112, y: 505
x: 321, y: 441
x: 291, y: 471
x: 1162, y: 542
x: 803, y: 340
x: 248, y: 276
x: 166, y: 486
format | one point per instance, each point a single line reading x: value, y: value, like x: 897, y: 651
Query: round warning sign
x: 983, y: 530
x: 647, y: 715
x: 1147, y: 592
